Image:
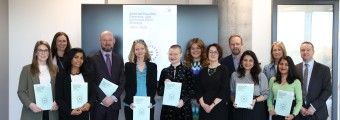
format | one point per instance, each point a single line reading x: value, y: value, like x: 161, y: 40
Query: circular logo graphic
x: 44, y: 100
x: 243, y: 98
x: 282, y: 106
x: 171, y: 96
x: 79, y: 98
x: 141, y: 111
x: 153, y: 52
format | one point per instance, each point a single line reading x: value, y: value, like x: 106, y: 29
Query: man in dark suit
x: 316, y: 85
x: 106, y: 64
x: 232, y: 62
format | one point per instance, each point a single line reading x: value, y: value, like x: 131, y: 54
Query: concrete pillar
x: 235, y: 18
x: 4, y: 54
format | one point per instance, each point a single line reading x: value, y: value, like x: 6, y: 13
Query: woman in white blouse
x: 40, y: 71
x: 74, y: 72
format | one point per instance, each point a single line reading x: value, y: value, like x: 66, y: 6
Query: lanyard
x: 61, y: 63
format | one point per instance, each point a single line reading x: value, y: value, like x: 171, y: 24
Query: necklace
x: 211, y: 71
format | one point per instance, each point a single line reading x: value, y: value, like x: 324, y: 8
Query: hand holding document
x: 172, y: 93
x: 283, y: 103
x: 78, y: 94
x: 244, y: 95
x: 107, y: 87
x: 43, y: 96
x: 141, y: 110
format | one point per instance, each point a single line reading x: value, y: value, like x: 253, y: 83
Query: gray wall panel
x: 97, y: 18
x: 4, y: 61
x: 192, y: 21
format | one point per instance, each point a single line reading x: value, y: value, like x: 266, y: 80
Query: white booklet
x: 244, y: 95
x: 43, y: 96
x: 172, y: 93
x: 283, y: 103
x: 141, y: 110
x: 78, y: 94
x: 107, y: 87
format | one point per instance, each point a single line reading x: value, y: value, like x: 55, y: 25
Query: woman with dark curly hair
x: 249, y: 72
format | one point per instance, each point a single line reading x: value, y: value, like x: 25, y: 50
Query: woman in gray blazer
x: 40, y: 71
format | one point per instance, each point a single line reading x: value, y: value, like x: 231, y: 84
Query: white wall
x: 32, y: 20
x: 160, y: 1
x: 261, y: 30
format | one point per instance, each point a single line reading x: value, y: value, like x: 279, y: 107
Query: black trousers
x: 46, y: 115
x: 129, y: 113
x: 105, y: 113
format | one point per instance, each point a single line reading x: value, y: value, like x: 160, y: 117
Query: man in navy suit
x: 232, y: 61
x: 106, y: 64
x: 316, y: 85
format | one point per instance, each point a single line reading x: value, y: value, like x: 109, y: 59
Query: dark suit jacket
x: 131, y: 81
x: 63, y: 94
x: 97, y: 71
x: 229, y: 63
x: 319, y: 90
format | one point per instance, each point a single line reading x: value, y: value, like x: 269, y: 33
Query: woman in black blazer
x: 141, y: 78
x: 74, y: 72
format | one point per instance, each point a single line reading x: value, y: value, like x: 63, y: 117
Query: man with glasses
x: 316, y: 85
x: 106, y: 64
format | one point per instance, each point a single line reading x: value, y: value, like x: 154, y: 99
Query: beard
x: 107, y: 49
x: 236, y: 51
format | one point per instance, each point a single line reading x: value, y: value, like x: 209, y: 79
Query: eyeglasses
x: 213, y: 52
x: 41, y: 51
x: 139, y: 40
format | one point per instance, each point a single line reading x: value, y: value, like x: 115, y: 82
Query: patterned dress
x: 183, y: 75
x: 196, y: 68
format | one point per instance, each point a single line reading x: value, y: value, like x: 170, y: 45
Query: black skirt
x: 219, y: 112
x: 259, y: 112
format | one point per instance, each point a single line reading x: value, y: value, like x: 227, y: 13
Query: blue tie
x: 108, y: 63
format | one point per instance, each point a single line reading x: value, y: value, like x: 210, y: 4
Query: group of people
x: 208, y: 81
